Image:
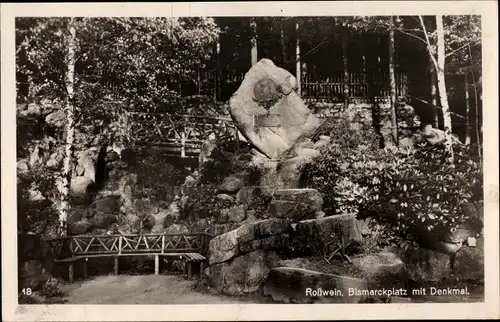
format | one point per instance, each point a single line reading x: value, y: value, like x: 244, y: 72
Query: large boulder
x: 85, y: 164
x: 109, y: 205
x: 33, y: 247
x: 235, y: 214
x: 103, y: 220
x: 219, y: 229
x: 246, y: 195
x: 172, y: 214
x: 330, y: 227
x: 285, y: 173
x: 289, y: 170
x: 32, y: 274
x: 425, y: 265
x: 206, y: 150
x: 298, y: 285
x: 231, y: 184
x: 200, y: 226
x: 75, y: 215
x: 268, y: 112
x: 133, y: 223
x: 22, y: 166
x: 226, y: 246
x: 79, y: 227
x: 81, y: 187
x: 176, y: 229
x: 468, y: 264
x: 242, y: 275
x: 382, y: 270
x: 56, y: 119
x: 296, y: 204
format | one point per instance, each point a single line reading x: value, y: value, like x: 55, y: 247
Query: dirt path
x: 144, y: 289
x: 174, y: 289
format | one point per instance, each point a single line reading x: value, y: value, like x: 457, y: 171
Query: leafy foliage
x: 156, y: 177
x: 414, y: 190
x: 36, y: 215
x: 202, y: 202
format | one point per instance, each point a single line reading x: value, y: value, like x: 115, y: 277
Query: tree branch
x: 429, y: 45
x: 411, y: 35
x: 309, y: 52
x: 462, y: 47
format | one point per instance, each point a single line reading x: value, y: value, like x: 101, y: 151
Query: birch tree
x: 70, y: 126
x: 253, y: 41
x: 438, y: 59
x: 298, y: 71
x: 392, y: 84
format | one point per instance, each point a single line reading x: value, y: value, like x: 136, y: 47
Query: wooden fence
x: 177, y: 135
x: 88, y: 245
x: 360, y: 86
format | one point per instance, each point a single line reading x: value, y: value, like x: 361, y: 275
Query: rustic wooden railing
x: 177, y: 135
x: 360, y: 86
x: 87, y: 245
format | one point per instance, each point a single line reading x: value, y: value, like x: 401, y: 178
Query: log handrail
x: 80, y: 245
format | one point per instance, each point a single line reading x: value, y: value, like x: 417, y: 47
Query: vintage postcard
x: 250, y: 161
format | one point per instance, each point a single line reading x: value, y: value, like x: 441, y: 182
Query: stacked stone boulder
x: 240, y: 259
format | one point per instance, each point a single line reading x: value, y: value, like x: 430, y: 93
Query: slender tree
x: 467, y: 107
x: 283, y: 43
x: 344, y: 38
x: 392, y: 81
x: 69, y: 79
x: 432, y: 72
x: 476, y: 105
x: 253, y: 41
x: 298, y: 71
x: 439, y: 66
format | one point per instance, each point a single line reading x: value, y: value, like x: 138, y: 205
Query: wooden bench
x: 188, y: 259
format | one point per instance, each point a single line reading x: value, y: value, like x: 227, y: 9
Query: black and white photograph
x: 250, y: 159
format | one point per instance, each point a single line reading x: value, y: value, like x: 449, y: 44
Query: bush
x: 36, y: 216
x: 51, y: 288
x: 203, y: 203
x: 414, y: 190
x: 380, y: 236
x: 155, y: 177
x: 225, y: 160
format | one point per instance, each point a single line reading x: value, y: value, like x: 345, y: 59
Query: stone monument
x: 272, y: 117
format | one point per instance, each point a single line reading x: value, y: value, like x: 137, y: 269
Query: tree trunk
x: 298, y: 72
x: 70, y: 129
x: 283, y: 45
x: 467, y: 123
x: 443, y: 96
x: 434, y: 94
x: 217, y: 67
x: 392, y: 80
x: 253, y: 41
x: 476, y: 109
x: 345, y: 68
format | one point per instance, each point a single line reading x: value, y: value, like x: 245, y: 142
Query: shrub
x: 415, y: 190
x: 36, y: 216
x: 380, y: 236
x: 225, y: 159
x: 203, y: 203
x: 51, y: 288
x: 422, y: 191
x: 155, y: 177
